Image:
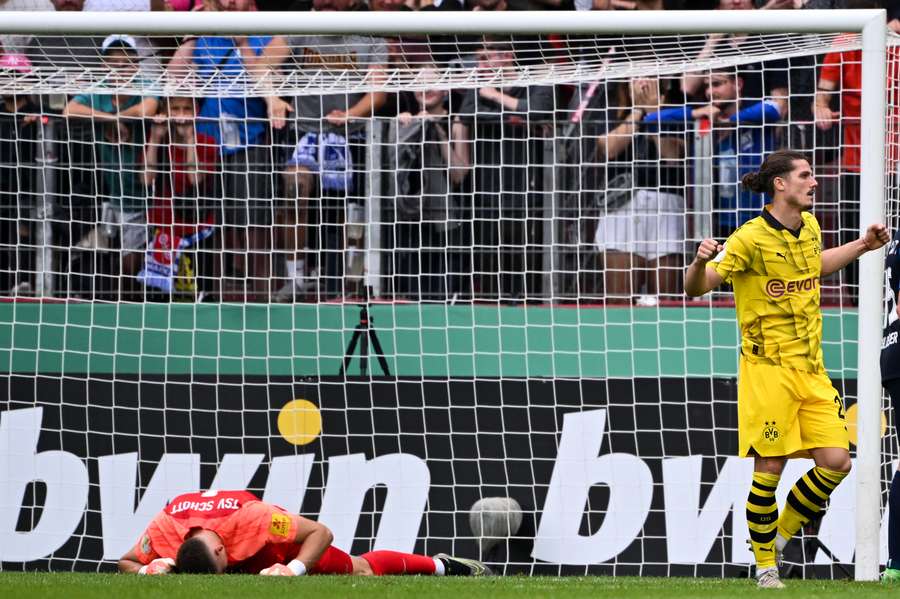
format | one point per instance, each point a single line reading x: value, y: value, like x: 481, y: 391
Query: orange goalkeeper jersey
x: 245, y: 524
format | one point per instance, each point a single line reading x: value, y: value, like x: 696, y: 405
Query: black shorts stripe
x: 762, y: 519
x: 762, y: 487
x: 808, y: 493
x: 763, y: 537
x: 815, y: 479
x: 799, y: 507
x: 755, y: 499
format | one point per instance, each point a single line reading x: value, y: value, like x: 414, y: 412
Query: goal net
x: 425, y: 289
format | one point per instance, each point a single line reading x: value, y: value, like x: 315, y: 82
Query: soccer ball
x: 494, y: 519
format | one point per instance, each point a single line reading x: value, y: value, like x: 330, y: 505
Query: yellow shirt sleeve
x: 734, y: 259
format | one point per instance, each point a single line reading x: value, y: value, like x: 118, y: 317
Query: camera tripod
x: 363, y: 334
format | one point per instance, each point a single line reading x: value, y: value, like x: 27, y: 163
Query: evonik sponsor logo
x: 777, y: 287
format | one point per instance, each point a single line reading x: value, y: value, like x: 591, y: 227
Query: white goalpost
x: 376, y: 295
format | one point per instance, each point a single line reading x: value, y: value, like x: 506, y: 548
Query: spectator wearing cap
x: 19, y: 176
x: 120, y: 54
x: 118, y: 152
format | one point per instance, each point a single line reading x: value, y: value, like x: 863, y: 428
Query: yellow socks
x: 762, y: 518
x: 807, y: 498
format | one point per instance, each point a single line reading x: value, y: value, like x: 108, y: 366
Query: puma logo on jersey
x: 780, y: 255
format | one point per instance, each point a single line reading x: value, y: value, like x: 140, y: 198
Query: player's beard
x: 806, y: 204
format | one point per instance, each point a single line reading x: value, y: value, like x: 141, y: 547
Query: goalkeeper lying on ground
x: 232, y: 531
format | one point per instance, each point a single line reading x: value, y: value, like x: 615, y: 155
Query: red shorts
x: 333, y: 561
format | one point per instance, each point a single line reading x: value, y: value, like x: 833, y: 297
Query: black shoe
x: 460, y: 566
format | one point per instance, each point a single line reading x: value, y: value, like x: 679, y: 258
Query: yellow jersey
x: 775, y: 273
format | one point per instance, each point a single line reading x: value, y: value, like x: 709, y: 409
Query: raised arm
x: 825, y: 117
x: 271, y: 57
x: 645, y: 99
x: 699, y: 279
x: 692, y: 82
x: 779, y: 96
x: 182, y: 62
x: 834, y: 259
x: 260, y: 66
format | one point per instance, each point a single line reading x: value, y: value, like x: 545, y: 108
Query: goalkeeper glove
x: 162, y: 565
x: 294, y: 568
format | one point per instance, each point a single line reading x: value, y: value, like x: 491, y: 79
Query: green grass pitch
x: 75, y: 586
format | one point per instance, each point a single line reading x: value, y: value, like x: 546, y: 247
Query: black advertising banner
x: 622, y: 476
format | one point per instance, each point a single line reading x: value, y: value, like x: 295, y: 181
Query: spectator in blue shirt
x: 743, y: 133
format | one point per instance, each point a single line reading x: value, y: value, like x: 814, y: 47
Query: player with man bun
x: 787, y: 406
x: 215, y: 532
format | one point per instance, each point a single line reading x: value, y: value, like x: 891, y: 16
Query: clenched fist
x: 162, y: 565
x: 708, y: 250
x: 876, y: 236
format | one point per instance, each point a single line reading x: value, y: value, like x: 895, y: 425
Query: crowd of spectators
x: 269, y: 198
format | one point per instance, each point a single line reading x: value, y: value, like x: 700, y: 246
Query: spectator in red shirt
x: 842, y: 73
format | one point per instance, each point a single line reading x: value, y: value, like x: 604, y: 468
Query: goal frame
x: 871, y: 24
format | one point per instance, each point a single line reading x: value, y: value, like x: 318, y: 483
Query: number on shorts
x: 840, y: 406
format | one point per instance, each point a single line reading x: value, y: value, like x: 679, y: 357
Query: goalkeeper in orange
x: 787, y: 406
x: 216, y: 532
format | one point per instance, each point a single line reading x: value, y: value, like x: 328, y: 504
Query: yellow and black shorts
x: 786, y: 412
